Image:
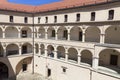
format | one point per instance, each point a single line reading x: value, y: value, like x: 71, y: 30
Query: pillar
x: 46, y: 33
x: 3, y: 34
x: 95, y: 62
x: 56, y: 35
x: 79, y: 58
x: 83, y: 36
x: 20, y: 50
x: 46, y: 52
x: 55, y: 52
x: 19, y: 34
x: 4, y: 54
x: 102, y: 38
x: 39, y: 51
x: 66, y: 55
x: 68, y: 38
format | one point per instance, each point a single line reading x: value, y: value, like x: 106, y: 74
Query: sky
x: 33, y: 2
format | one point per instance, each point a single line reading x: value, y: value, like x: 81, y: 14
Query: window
x: 55, y: 19
x: 66, y: 18
x: 11, y: 18
x: 24, y: 49
x: 46, y: 18
x: 25, y: 20
x: 77, y: 17
x: 38, y: 19
x: 49, y: 72
x: 24, y: 33
x: 111, y: 14
x: 24, y: 67
x: 64, y: 69
x: 93, y: 16
x: 53, y: 33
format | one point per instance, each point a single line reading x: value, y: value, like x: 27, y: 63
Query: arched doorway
x: 109, y: 60
x: 3, y: 71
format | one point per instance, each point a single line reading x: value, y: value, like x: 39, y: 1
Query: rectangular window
x: 111, y: 15
x: 24, y: 33
x: 66, y: 18
x: 77, y: 17
x: 24, y: 67
x: 93, y: 16
x: 38, y: 19
x: 55, y: 19
x: 53, y: 33
x: 46, y: 18
x: 11, y: 18
x: 25, y: 20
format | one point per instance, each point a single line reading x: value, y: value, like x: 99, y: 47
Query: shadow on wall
x: 23, y: 65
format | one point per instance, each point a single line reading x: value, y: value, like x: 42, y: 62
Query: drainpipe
x: 33, y: 42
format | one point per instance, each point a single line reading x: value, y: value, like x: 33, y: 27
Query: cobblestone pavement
x: 29, y: 76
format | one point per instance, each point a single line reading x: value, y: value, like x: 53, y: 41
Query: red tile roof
x: 5, y: 5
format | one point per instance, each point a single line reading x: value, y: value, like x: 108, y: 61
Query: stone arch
x: 76, y: 33
x: 27, y: 48
x: 72, y: 54
x: 92, y: 34
x: 61, y: 52
x: 24, y: 65
x: 109, y: 58
x: 50, y: 50
x: 26, y: 32
x: 111, y: 35
x: 41, y: 32
x: 86, y: 57
x: 62, y: 33
x: 11, y: 32
x: 12, y: 49
x: 51, y: 33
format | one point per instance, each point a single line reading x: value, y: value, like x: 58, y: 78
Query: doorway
x: 113, y: 60
x: 49, y: 72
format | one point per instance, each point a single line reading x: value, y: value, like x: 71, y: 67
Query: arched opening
x: 111, y: 35
x: 41, y: 32
x: 86, y: 57
x: 51, y: 33
x: 92, y: 34
x: 4, y: 72
x: 50, y: 50
x: 61, y: 52
x: 12, y: 49
x: 24, y: 65
x: 62, y: 33
x: 11, y: 32
x: 42, y: 49
x: 26, y: 32
x: 1, y: 51
x: 72, y: 55
x: 109, y: 60
x: 26, y: 48
x: 1, y: 32
x: 76, y: 34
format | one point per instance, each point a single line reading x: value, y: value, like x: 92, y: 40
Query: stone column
x: 20, y: 49
x: 5, y: 53
x: 39, y: 51
x: 56, y: 35
x: 102, y: 38
x: 66, y: 55
x: 95, y: 62
x: 46, y: 52
x: 83, y: 36
x: 19, y: 34
x: 68, y: 38
x: 79, y: 58
x: 3, y: 34
x: 46, y: 33
x: 55, y: 52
